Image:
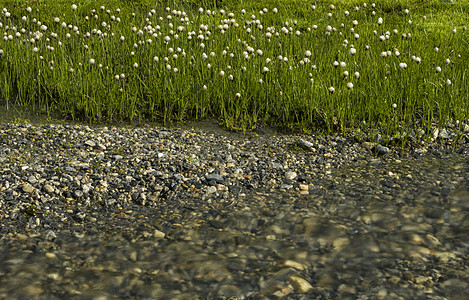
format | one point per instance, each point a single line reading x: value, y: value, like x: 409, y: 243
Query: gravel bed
x: 158, y: 213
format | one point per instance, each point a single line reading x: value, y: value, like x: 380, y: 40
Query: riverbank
x: 145, y: 212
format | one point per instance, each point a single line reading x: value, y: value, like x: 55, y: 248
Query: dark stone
x: 235, y: 189
x: 215, y: 177
x: 381, y: 150
x: 216, y: 224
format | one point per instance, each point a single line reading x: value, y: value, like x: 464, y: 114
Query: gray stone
x: 90, y: 143
x: 32, y: 179
x: 215, y: 177
x: 381, y: 150
x: 275, y: 165
x: 304, y: 144
x: 443, y: 134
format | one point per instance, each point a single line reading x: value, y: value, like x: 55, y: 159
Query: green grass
x: 292, y: 94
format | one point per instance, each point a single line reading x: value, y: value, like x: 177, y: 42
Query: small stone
x: 235, y: 189
x: 394, y: 279
x: 421, y: 279
x: 221, y: 187
x: 368, y: 145
x: 300, y: 285
x: 303, y: 187
x: 304, y: 144
x: 118, y: 157
x: 32, y: 179
x: 346, y: 289
x: 50, y: 235
x: 443, y: 134
x: 381, y: 150
x: 215, y: 177
x: 275, y: 165
x: 290, y: 175
x: 48, y: 188
x: 158, y: 234
x: 211, y: 190
x: 285, y: 186
x: 294, y: 264
x: 90, y: 143
x: 27, y: 188
x: 53, y: 276
x: 78, y: 193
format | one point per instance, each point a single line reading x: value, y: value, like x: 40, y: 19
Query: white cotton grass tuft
x: 331, y: 89
x: 350, y: 85
x: 402, y: 65
x: 394, y: 105
x: 74, y: 7
x: 438, y: 69
x: 448, y: 82
x: 356, y: 74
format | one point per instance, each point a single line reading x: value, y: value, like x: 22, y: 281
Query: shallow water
x: 377, y: 230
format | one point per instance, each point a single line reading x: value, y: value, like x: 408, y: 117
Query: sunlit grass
x: 294, y: 64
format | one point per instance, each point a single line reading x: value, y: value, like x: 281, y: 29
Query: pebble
x: 290, y: 175
x: 28, y: 188
x: 381, y: 150
x: 305, y: 144
x: 153, y: 211
x: 300, y: 284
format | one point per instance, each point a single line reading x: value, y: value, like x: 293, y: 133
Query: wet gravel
x: 158, y: 213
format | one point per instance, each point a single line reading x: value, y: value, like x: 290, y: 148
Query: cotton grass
x: 336, y: 65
